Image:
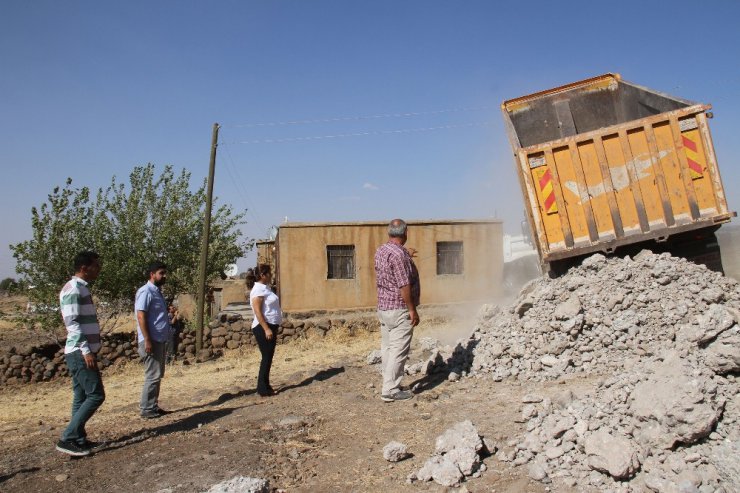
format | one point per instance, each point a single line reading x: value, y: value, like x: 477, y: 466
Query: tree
x: 8, y: 285
x: 129, y: 225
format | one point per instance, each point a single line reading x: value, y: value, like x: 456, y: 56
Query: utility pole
x: 204, y: 245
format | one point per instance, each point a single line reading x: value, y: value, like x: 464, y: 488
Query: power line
x: 361, y: 134
x: 242, y: 189
x: 359, y: 118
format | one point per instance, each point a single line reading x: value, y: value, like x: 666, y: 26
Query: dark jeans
x: 89, y: 394
x: 267, y: 348
x: 172, y: 344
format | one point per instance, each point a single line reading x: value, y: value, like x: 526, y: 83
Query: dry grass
x: 32, y: 407
x: 183, y: 386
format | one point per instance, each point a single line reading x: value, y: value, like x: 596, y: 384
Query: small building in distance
x: 330, y: 266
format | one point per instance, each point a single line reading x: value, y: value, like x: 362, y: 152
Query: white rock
x: 395, y: 451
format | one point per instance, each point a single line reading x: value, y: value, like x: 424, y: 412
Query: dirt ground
x: 324, y: 431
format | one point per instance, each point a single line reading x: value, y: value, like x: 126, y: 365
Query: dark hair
x: 155, y: 266
x: 250, y: 278
x: 262, y: 270
x: 84, y: 259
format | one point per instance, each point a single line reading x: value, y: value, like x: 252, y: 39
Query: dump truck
x: 606, y: 165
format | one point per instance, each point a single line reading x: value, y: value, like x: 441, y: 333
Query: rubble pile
x: 457, y: 456
x: 662, y: 335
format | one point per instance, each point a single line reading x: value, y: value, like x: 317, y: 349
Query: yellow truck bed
x: 605, y: 163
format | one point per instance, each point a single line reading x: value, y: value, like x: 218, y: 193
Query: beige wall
x: 230, y: 291
x: 303, y: 267
x: 266, y: 253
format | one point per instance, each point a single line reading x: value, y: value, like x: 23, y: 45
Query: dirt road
x: 324, y: 431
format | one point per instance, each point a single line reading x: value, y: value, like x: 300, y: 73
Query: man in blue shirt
x: 153, y: 330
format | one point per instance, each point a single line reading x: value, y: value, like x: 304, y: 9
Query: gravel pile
x: 662, y: 336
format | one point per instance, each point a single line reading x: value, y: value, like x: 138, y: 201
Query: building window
x: 341, y: 261
x: 449, y: 257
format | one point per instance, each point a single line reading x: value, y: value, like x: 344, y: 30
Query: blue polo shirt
x: 149, y: 299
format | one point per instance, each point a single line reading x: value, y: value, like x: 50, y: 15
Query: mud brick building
x: 329, y: 266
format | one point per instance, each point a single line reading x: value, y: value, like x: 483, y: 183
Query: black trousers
x: 267, y: 348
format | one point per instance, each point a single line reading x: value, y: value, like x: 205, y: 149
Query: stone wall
x: 226, y: 332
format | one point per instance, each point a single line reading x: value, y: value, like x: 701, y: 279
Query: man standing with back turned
x: 83, y: 342
x: 398, y: 286
x: 154, y: 331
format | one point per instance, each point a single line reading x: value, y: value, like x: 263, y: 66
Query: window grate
x: 449, y: 257
x: 341, y: 261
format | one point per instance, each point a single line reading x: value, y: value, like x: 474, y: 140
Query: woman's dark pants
x: 267, y: 348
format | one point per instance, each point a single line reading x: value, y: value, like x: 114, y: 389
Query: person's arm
x: 141, y: 318
x: 258, y: 302
x: 405, y: 292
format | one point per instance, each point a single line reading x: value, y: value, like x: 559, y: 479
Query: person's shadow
x: 318, y: 377
x: 227, y: 396
x: 185, y: 424
x: 462, y: 357
x: 12, y: 474
x: 205, y: 417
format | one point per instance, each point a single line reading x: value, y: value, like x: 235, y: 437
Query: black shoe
x: 71, y: 448
x: 90, y: 444
x: 151, y: 414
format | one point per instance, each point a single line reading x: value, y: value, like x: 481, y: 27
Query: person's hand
x: 414, y: 317
x: 412, y: 251
x: 90, y: 361
x: 147, y: 346
x: 268, y: 334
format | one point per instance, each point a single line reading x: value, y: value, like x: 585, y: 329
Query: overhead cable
x: 361, y: 134
x: 359, y: 118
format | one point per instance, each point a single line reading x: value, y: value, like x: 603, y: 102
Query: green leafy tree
x: 129, y: 225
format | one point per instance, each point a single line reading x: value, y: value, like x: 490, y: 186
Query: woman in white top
x: 267, y: 318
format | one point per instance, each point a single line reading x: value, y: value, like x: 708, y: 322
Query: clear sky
x: 330, y: 110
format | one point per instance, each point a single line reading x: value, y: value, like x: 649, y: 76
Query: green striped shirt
x: 80, y: 317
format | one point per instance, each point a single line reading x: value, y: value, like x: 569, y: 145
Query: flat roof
x: 415, y: 222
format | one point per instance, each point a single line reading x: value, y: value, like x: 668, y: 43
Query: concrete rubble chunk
x: 712, y: 323
x: 461, y: 435
x: 292, y: 422
x: 395, y: 452
x: 466, y: 459
x: 441, y: 470
x: 457, y: 455
x: 674, y: 406
x: 568, y: 309
x: 537, y: 472
x: 722, y: 356
x: 375, y: 357
x: 611, y: 454
x: 241, y: 484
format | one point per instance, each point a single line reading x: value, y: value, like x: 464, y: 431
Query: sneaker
x: 72, y: 448
x: 399, y: 395
x: 151, y: 414
x: 88, y: 444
